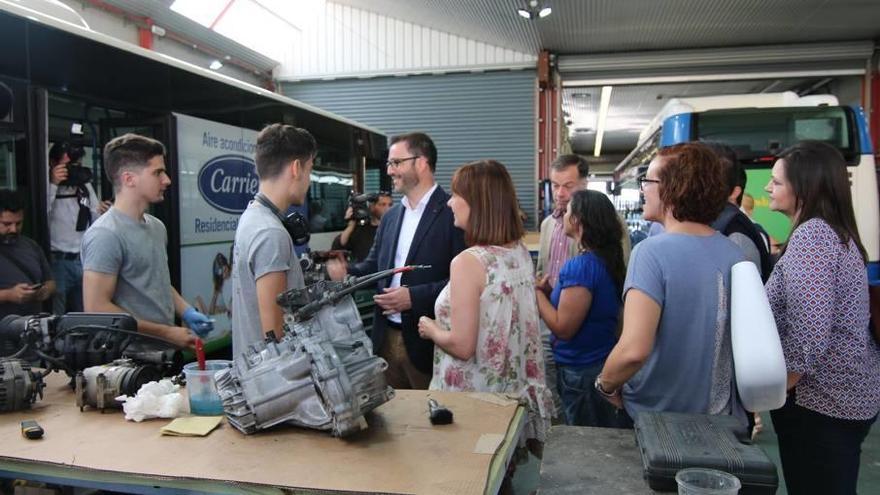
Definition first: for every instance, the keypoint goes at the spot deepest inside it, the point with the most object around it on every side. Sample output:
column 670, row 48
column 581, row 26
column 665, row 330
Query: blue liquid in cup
column 205, row 406
column 203, row 397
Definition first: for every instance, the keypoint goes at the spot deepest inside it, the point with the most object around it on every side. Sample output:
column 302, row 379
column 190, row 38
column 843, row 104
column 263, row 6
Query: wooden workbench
column 401, row 452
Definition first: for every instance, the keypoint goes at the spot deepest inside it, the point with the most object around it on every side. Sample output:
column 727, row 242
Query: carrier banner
column 206, row 284
column 216, row 178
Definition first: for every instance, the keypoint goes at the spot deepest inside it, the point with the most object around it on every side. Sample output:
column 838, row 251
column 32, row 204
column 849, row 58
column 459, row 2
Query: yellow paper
column 192, row 426
column 488, row 443
column 494, row 398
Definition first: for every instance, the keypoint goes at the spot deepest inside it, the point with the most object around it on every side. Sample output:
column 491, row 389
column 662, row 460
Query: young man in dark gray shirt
column 25, row 276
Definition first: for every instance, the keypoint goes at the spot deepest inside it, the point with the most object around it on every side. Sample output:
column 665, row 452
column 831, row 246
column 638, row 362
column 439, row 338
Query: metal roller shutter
column 469, row 117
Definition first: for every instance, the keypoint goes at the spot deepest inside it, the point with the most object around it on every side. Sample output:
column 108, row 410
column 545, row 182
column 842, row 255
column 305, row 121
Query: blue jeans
column 68, row 276
column 582, row 405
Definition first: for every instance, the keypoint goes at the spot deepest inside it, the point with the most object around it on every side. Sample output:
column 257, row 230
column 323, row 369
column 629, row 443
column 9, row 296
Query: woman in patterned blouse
column 486, row 335
column 819, row 295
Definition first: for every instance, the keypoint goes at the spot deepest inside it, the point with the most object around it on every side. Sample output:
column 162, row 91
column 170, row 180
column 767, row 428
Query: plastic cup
column 203, row 397
column 701, row 481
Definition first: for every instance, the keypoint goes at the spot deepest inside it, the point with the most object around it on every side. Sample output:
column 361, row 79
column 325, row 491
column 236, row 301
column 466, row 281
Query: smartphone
column 36, row 286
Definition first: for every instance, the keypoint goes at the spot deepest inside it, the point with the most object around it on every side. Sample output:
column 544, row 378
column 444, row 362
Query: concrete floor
column 527, row 476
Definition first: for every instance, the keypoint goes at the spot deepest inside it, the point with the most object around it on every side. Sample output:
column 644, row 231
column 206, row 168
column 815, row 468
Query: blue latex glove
column 199, row 323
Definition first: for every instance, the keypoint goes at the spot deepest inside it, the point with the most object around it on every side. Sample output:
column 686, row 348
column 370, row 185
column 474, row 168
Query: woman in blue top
column 584, row 308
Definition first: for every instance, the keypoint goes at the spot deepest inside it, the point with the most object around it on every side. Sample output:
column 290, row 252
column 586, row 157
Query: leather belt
column 65, row 256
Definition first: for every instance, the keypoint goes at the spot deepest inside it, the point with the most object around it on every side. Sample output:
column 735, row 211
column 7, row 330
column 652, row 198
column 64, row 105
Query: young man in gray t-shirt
column 264, row 262
column 125, row 264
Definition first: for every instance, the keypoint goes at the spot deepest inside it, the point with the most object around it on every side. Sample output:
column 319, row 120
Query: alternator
column 321, row 375
column 99, row 386
column 19, row 386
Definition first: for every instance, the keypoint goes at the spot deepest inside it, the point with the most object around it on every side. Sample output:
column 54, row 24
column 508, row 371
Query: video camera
column 360, row 206
column 77, row 175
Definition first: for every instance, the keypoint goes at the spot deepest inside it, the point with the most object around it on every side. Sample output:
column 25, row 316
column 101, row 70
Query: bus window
column 757, row 134
column 7, row 161
column 328, row 199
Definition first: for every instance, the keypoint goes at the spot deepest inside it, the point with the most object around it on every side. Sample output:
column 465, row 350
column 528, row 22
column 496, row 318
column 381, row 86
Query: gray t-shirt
column 117, row 244
column 262, row 246
column 690, row 368
column 747, row 248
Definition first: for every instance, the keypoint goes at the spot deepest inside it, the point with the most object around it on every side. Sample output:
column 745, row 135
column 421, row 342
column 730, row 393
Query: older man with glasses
column 418, row 231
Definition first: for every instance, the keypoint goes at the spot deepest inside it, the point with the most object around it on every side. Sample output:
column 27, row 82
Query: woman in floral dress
column 486, row 334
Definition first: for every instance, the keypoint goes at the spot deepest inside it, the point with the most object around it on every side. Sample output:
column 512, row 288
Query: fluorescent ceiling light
column 545, row 12
column 604, row 102
column 215, row 65
column 524, row 13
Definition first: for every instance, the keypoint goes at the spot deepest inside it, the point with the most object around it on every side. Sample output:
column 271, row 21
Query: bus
column 62, row 82
column 757, row 127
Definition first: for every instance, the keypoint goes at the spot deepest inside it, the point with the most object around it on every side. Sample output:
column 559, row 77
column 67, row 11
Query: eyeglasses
column 643, row 180
column 396, row 162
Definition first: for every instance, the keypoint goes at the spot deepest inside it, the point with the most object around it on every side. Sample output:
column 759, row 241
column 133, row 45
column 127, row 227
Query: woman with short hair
column 819, row 295
column 674, row 353
column 486, row 334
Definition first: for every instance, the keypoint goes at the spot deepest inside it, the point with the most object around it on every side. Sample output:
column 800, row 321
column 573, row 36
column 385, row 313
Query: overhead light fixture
column 604, row 102
column 534, row 11
column 215, row 65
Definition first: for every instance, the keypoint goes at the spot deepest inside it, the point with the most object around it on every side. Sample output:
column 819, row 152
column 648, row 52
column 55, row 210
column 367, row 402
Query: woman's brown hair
column 488, row 190
column 818, row 176
column 693, row 182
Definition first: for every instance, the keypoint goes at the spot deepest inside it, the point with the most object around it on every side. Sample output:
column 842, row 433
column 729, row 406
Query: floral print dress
column 509, row 357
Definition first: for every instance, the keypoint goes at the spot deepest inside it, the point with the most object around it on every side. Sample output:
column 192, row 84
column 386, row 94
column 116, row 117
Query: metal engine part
column 75, row 341
column 322, row 374
column 19, row 386
column 99, row 386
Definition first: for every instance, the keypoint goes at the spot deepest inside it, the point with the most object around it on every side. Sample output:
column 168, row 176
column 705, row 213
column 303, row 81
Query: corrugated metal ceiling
column 598, row 26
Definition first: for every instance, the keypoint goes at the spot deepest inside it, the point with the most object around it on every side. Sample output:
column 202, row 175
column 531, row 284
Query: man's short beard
column 8, row 239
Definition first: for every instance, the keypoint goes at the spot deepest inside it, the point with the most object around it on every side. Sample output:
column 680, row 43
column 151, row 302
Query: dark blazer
column 435, row 243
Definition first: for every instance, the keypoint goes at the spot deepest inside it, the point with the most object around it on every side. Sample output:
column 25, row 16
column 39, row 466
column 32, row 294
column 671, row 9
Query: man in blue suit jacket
column 418, row 231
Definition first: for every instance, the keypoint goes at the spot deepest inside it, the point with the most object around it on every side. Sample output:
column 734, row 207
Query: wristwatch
column 601, row 390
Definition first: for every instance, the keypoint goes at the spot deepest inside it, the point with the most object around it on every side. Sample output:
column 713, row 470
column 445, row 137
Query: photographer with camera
column 363, row 215
column 25, row 277
column 72, row 207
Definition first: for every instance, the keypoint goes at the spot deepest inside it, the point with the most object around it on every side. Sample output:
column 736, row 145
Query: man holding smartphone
column 25, row 276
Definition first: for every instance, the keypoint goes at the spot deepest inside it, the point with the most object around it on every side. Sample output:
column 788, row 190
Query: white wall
column 341, row 41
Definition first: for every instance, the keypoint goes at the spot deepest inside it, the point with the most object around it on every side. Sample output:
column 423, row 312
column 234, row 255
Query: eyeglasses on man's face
column 644, row 180
column 397, row 162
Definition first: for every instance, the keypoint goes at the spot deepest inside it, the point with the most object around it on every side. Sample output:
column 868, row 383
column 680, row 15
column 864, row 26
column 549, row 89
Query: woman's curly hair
column 692, row 182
